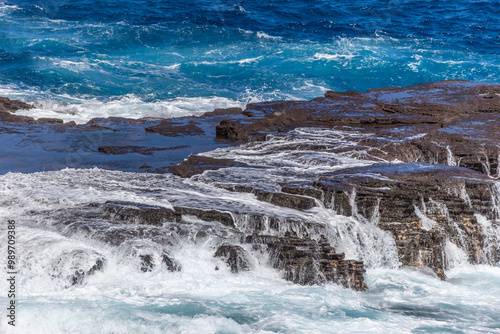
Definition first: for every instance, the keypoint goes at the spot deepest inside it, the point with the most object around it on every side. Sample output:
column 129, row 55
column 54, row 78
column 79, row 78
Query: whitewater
column 78, row 60
column 200, row 299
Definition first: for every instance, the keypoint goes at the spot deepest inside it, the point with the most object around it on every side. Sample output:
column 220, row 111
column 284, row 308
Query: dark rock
column 405, row 195
column 136, row 149
column 120, row 120
column 49, row 121
column 170, row 263
column 438, row 103
column 303, row 190
column 223, row 112
column 443, row 136
column 248, row 113
column 230, row 130
column 307, row 261
column 80, row 274
column 224, row 218
column 197, row 164
column 147, row 263
column 260, row 223
column 9, row 105
column 171, row 128
column 6, row 117
column 139, row 213
column 465, row 142
column 234, row 256
column 144, row 214
column 284, row 199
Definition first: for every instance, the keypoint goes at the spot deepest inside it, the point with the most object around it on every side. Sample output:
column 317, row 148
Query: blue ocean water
column 98, row 57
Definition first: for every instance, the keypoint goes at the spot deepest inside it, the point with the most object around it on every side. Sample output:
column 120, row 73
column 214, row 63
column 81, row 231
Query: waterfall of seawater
column 114, row 273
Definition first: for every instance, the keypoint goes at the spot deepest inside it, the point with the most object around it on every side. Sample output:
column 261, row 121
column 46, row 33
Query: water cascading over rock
column 324, row 188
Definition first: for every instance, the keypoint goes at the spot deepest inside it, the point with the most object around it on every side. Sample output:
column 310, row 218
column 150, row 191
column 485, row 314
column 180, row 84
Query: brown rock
column 197, row 164
column 234, row 256
column 307, row 262
column 136, row 149
column 9, row 105
column 171, row 128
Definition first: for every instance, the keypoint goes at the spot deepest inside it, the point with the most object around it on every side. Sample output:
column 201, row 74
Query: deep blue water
column 221, row 53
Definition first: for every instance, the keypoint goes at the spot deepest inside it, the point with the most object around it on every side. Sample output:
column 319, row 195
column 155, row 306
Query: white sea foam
column 261, row 34
column 327, row 56
column 84, row 108
column 402, row 301
column 455, row 256
column 427, row 223
column 81, row 110
column 75, row 66
column 308, row 85
column 358, row 237
column 6, row 9
column 121, row 298
column 95, row 65
column 239, row 61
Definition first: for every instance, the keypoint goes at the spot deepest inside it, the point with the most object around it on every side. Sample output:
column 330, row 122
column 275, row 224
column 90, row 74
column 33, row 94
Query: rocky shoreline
column 415, row 168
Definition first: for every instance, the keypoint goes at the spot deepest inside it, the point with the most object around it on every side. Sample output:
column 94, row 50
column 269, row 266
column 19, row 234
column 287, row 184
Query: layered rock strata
column 418, row 163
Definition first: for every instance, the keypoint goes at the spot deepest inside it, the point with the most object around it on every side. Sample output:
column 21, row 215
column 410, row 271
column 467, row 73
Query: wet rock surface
column 306, row 261
column 422, row 205
column 195, row 164
column 234, row 256
column 136, row 149
column 80, row 274
column 418, row 164
column 8, row 105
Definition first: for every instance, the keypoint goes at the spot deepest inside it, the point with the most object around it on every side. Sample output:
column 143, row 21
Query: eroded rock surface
column 234, row 256
column 319, row 186
column 306, row 261
column 136, row 149
column 422, row 205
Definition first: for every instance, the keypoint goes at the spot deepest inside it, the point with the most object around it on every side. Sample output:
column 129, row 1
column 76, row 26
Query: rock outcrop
column 234, row 256
column 418, row 163
column 422, row 205
column 80, row 274
column 306, row 261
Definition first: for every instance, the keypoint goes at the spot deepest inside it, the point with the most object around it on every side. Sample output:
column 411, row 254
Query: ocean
column 81, row 59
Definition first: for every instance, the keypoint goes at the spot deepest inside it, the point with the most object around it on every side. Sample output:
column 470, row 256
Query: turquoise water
column 399, row 301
